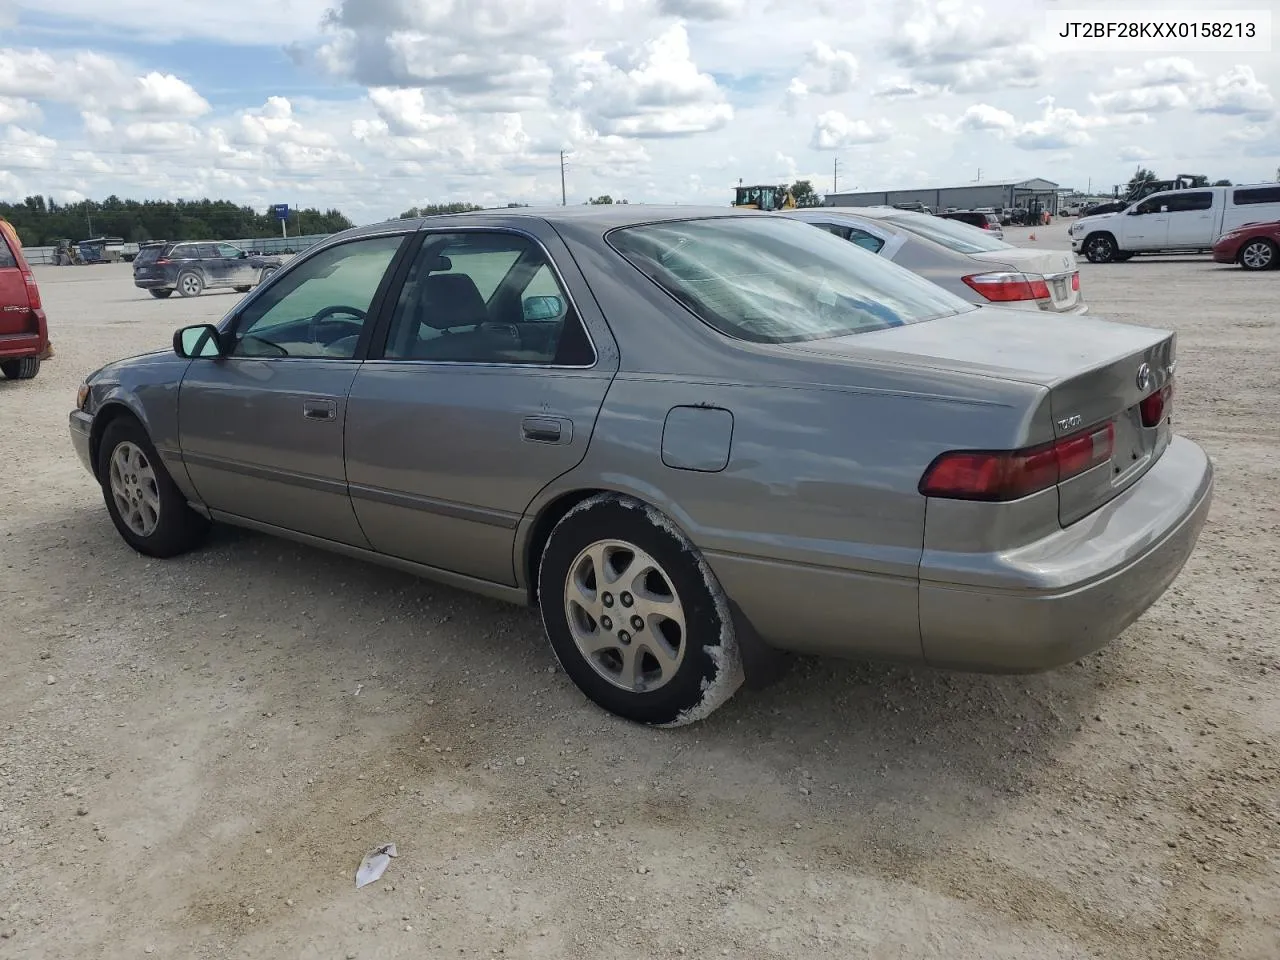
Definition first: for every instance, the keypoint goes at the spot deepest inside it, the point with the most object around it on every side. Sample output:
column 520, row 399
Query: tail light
column 1157, row 406
column 33, row 292
column 1002, row 475
column 1075, row 281
column 1009, row 287
column 162, row 260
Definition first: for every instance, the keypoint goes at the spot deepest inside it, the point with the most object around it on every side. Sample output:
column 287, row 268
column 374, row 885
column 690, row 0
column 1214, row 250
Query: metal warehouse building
column 997, row 195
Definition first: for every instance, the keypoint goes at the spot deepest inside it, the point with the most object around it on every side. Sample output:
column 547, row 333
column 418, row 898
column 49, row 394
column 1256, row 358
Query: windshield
column 147, row 254
column 775, row 280
column 953, row 234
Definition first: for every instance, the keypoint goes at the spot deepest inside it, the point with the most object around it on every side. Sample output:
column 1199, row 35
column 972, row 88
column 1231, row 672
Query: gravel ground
column 195, row 754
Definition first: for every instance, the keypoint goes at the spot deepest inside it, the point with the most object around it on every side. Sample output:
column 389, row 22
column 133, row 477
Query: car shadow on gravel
column 848, row 724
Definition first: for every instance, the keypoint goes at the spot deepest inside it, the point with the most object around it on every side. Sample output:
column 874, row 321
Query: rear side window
column 952, row 234
column 7, row 259
column 1185, row 201
column 1247, row 195
column 776, row 280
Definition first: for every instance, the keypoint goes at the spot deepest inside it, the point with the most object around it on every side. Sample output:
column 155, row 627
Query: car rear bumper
column 151, row 283
column 1075, row 591
column 14, row 346
column 81, row 425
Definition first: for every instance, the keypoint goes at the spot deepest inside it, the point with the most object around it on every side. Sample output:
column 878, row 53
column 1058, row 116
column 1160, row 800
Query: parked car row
column 695, row 439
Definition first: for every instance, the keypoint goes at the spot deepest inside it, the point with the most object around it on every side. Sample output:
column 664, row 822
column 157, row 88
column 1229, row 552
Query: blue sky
column 384, row 105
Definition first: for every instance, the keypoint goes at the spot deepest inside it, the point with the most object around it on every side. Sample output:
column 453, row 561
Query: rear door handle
column 546, row 429
column 320, row 409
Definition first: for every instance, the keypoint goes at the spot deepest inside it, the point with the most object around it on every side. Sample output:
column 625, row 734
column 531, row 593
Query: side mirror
column 198, row 342
column 243, row 254
column 543, row 308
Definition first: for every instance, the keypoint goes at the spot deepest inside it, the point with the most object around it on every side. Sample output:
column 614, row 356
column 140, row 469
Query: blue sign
column 280, row 211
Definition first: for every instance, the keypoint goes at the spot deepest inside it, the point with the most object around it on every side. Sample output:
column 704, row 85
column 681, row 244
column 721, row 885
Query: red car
column 24, row 333
column 1255, row 246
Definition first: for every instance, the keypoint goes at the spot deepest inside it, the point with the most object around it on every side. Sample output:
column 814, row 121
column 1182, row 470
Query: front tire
column 24, row 368
column 190, row 284
column 148, row 510
column 266, row 274
column 1101, row 248
column 635, row 616
column 1259, row 254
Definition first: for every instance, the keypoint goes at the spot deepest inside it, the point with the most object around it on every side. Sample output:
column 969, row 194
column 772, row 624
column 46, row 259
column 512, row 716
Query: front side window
column 952, row 234
column 319, row 308
column 227, row 250
column 485, row 298
column 775, row 280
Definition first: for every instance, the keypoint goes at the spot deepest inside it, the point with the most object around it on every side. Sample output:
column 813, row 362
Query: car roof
column 595, row 217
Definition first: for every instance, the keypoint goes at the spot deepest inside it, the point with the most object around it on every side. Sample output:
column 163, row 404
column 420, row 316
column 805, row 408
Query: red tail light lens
column 162, row 260
column 1002, row 475
column 33, row 292
column 1157, row 406
column 1075, row 281
column 1009, row 287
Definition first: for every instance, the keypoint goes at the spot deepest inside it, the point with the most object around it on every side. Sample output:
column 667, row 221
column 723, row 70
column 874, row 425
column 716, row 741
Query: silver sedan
column 971, row 263
column 694, row 438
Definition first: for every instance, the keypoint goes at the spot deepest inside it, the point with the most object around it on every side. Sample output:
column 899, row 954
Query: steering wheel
column 313, row 328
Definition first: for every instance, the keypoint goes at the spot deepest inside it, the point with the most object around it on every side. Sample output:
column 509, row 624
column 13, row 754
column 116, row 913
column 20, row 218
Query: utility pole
column 564, row 201
column 979, row 180
column 835, row 175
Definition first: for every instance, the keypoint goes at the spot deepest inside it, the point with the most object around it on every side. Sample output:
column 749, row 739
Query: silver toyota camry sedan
column 693, row 438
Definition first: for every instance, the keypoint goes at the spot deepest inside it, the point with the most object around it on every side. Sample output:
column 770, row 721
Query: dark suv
column 196, row 266
column 977, row 218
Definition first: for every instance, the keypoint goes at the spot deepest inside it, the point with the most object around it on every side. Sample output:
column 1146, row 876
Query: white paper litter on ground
column 374, row 864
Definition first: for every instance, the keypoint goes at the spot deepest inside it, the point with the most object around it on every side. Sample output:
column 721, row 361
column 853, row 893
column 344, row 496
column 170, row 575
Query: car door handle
column 546, row 429
column 320, row 409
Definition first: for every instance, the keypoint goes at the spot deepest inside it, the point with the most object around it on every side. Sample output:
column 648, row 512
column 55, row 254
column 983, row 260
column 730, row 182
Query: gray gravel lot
column 195, row 754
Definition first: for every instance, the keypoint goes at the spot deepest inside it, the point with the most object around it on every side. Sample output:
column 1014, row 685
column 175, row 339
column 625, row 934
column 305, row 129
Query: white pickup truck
column 1174, row 221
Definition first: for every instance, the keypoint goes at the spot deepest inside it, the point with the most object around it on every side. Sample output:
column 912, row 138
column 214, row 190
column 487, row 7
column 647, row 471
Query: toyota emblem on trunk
column 1144, row 377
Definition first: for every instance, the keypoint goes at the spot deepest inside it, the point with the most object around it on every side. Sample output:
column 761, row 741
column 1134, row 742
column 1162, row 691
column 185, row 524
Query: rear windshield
column 148, row 254
column 953, row 234
column 7, row 259
column 776, row 280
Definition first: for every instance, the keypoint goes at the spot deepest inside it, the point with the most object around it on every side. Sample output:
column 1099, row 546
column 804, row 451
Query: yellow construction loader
column 768, row 197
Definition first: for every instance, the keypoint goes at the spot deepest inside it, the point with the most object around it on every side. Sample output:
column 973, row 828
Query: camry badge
column 1070, row 423
column 1144, row 377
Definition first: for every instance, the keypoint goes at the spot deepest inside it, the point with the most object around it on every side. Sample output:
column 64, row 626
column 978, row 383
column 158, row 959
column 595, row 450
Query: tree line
column 42, row 221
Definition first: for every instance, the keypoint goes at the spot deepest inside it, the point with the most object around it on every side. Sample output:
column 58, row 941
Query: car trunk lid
column 1097, row 375
column 17, row 293
column 1059, row 269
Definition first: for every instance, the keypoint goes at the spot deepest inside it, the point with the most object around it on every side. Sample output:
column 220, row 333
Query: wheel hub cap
column 643, row 648
column 134, row 489
column 1257, row 255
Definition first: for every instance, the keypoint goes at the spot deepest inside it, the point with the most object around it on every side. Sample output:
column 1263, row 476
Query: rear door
column 1192, row 218
column 216, row 267
column 486, row 390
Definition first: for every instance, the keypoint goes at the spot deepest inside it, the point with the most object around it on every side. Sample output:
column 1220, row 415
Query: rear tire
column 635, row 616
column 190, row 284
column 1100, row 248
column 266, row 274
column 1260, row 254
column 162, row 294
column 148, row 510
column 23, row 368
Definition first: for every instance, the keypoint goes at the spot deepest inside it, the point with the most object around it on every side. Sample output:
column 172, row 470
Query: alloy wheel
column 134, row 488
column 625, row 616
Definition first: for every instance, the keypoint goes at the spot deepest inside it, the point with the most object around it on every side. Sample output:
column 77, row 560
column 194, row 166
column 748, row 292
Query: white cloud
column 959, row 46
column 163, row 94
column 26, row 149
column 834, row 131
column 827, row 72
column 653, row 90
column 1134, row 154
column 17, row 109
column 1236, row 92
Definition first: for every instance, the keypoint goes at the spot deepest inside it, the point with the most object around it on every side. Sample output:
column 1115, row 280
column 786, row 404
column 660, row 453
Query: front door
column 236, row 261
column 1191, row 219
column 261, row 429
column 487, row 389
column 1146, row 227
